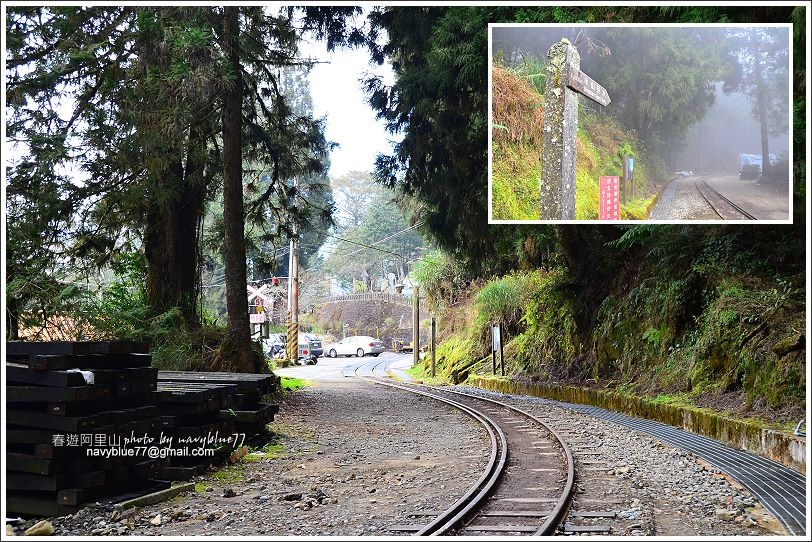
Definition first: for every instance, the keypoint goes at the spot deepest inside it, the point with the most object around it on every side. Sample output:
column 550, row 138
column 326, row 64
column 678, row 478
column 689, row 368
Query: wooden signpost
column 583, row 84
column 565, row 81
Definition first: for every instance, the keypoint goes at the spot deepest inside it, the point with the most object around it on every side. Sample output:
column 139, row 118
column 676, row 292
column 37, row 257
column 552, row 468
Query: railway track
column 551, row 481
column 588, row 503
column 527, row 485
column 722, row 206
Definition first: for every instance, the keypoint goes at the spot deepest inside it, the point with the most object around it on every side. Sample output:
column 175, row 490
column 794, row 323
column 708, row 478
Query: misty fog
column 727, row 130
column 720, row 122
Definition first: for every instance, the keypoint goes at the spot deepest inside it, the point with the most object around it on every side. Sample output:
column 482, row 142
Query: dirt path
column 351, row 458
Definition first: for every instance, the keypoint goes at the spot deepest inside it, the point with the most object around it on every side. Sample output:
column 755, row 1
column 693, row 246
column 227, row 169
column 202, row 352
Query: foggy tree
column 354, row 191
column 661, row 80
column 760, row 57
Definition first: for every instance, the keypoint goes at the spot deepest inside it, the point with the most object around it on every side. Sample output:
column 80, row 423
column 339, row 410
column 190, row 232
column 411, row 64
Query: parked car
column 356, row 345
column 408, row 347
column 750, row 165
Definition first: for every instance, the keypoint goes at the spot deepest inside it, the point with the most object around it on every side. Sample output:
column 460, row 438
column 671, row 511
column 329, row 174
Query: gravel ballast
column 355, row 459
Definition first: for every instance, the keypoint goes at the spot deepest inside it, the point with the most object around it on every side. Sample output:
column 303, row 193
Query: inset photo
column 629, row 123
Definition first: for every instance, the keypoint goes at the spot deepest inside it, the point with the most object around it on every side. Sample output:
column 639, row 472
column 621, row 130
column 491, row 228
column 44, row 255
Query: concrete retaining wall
column 784, row 448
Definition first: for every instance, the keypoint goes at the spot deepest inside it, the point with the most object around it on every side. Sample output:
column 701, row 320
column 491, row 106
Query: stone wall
column 375, row 318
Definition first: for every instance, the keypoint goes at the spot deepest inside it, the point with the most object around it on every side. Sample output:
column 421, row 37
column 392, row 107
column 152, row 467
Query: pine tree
column 141, row 92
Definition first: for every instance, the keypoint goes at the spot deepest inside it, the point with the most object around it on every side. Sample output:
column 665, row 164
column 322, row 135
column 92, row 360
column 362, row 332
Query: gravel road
column 680, row 200
column 352, row 459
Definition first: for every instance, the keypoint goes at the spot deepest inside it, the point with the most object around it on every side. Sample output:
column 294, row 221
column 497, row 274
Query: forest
column 669, row 87
column 176, row 153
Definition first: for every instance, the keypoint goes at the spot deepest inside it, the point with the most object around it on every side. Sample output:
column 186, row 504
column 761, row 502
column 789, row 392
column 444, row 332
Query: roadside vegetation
column 518, row 117
column 291, row 384
column 719, row 325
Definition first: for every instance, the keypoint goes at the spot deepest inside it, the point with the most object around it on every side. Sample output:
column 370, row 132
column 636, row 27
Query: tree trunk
column 239, row 338
column 174, row 214
column 12, row 319
column 171, row 246
column 761, row 101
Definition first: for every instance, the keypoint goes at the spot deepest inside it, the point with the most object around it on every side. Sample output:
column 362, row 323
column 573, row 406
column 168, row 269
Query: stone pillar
column 559, row 135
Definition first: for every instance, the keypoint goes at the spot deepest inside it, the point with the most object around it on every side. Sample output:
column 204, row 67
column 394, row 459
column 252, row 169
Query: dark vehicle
column 310, row 348
column 274, row 345
column 750, row 166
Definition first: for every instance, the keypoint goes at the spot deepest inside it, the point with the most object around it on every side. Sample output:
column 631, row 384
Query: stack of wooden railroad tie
column 68, row 402
column 221, row 409
column 69, row 405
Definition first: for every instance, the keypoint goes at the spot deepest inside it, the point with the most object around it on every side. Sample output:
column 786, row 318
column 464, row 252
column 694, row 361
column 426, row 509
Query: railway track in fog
column 722, row 206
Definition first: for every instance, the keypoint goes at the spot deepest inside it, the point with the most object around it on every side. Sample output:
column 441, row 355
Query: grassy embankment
column 733, row 344
column 601, row 145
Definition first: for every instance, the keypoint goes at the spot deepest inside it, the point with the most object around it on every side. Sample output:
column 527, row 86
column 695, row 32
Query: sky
column 336, row 89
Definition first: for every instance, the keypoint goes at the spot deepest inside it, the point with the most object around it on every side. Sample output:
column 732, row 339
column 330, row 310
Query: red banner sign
column 610, row 198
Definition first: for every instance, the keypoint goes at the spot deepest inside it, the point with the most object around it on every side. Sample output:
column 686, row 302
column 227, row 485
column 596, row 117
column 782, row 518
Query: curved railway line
column 529, row 485
column 722, row 206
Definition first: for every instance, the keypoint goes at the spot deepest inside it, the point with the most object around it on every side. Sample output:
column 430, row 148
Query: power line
column 418, row 224
column 365, row 245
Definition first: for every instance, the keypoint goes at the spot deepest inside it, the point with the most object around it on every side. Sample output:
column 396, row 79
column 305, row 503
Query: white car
column 357, row 345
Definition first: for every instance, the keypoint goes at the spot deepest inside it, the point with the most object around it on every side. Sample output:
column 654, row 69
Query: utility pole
column 292, row 343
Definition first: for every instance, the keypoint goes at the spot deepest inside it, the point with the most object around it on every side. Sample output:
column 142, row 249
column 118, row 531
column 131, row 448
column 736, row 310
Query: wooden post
column 416, row 327
column 433, row 358
column 565, row 81
column 625, row 185
column 292, row 345
column 630, row 167
column 501, row 351
column 558, row 136
column 496, row 344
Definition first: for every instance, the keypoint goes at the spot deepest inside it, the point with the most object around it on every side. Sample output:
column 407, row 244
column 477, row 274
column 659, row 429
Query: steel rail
column 479, row 490
column 781, row 490
column 556, row 519
column 714, row 205
column 739, row 465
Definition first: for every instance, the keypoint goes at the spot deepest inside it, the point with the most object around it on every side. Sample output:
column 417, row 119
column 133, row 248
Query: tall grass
column 516, row 169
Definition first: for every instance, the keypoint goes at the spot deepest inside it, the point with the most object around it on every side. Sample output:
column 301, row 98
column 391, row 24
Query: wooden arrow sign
column 583, row 84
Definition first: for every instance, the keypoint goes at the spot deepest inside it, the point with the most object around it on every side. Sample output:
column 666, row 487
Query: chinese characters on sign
column 609, row 198
column 582, row 83
column 260, row 318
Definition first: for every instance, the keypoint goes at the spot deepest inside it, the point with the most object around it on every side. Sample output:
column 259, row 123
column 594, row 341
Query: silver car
column 356, row 345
